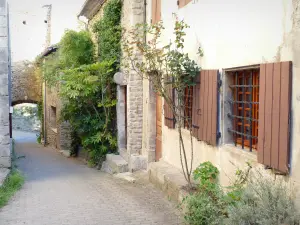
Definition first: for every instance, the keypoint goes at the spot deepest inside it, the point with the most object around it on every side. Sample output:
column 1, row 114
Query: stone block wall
column 132, row 14
column 57, row 136
column 26, row 84
column 5, row 146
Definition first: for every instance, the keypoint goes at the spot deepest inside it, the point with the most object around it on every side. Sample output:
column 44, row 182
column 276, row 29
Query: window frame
column 249, row 142
column 53, row 117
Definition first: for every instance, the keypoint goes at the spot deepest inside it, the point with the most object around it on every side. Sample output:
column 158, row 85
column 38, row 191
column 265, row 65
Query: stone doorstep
column 66, row 153
column 3, row 175
column 169, row 179
column 114, row 164
column 127, row 176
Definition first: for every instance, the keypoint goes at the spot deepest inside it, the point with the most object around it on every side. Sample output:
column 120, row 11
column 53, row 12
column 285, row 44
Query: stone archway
column 26, row 84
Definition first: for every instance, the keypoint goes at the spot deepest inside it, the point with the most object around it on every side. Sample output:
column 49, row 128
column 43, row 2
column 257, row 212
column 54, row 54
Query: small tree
column 165, row 67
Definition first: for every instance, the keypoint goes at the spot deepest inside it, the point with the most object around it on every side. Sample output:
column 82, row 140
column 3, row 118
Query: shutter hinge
column 177, row 2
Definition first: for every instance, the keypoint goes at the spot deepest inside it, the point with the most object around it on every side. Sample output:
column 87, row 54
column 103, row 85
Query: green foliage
column 87, row 88
column 89, row 106
column 202, row 209
column 207, row 205
column 51, row 69
column 206, row 172
column 264, row 202
column 108, row 30
column 250, row 200
column 75, row 143
column 75, row 49
column 12, row 184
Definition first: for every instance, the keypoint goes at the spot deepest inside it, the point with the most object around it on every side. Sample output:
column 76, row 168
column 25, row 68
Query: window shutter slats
column 182, row 3
column 214, row 113
column 168, row 113
column 153, row 11
column 208, row 103
column 201, row 104
column 285, row 105
column 196, row 107
column 158, row 10
column 274, row 110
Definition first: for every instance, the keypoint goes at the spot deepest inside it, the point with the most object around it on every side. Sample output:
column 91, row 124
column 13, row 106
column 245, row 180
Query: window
column 188, row 106
column 182, row 3
column 52, row 117
column 245, row 107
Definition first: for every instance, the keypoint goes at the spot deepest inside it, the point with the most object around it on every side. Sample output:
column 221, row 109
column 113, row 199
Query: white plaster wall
column 236, row 33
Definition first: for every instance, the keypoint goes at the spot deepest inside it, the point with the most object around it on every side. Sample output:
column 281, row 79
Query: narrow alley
column 61, row 191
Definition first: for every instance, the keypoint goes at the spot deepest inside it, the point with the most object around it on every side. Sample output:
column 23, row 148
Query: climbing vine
column 108, row 32
column 86, row 86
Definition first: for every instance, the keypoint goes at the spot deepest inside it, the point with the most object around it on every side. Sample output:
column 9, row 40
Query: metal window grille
column 245, row 106
column 188, row 106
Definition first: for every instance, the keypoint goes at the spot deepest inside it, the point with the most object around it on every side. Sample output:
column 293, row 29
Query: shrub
column 204, row 209
column 264, row 202
column 207, row 206
column 75, row 49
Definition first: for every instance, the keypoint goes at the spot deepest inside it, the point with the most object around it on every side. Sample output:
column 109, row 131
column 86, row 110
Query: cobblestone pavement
column 61, row 191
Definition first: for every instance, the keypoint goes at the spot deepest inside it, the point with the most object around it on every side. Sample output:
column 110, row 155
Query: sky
column 28, row 41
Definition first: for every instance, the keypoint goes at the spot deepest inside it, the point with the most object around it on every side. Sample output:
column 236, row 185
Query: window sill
column 238, row 151
column 54, row 130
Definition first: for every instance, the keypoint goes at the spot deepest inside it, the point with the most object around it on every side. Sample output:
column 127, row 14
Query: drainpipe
column 9, row 75
column 45, row 112
column 145, row 19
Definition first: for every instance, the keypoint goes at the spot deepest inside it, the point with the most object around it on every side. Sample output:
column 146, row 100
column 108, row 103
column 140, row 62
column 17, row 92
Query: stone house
column 246, row 103
column 56, row 132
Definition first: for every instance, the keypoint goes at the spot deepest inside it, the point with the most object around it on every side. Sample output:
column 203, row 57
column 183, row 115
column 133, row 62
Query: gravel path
column 61, row 191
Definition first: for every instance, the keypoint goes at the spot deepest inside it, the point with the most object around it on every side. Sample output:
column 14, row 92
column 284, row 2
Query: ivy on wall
column 86, row 84
column 108, row 30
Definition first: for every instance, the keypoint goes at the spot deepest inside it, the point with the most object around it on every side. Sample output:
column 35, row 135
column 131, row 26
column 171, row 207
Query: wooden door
column 158, row 151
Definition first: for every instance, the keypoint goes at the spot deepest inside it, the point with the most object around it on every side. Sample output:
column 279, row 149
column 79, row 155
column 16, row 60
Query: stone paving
column 61, row 191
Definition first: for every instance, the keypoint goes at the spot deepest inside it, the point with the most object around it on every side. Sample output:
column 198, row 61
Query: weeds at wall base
column 11, row 185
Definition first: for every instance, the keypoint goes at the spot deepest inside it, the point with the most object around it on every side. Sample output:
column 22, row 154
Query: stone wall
column 57, row 131
column 26, row 84
column 132, row 14
column 5, row 150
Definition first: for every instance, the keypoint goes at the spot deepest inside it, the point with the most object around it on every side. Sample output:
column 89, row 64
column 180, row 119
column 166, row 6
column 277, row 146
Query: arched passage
column 26, row 83
column 25, row 117
column 17, row 102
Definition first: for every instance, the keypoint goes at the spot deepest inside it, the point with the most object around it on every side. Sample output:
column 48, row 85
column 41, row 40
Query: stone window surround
column 226, row 141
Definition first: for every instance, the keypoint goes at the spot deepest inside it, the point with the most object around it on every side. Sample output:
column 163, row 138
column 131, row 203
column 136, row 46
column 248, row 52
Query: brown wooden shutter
column 196, row 108
column 156, row 11
column 208, row 106
column 274, row 112
column 168, row 113
column 153, row 9
column 182, row 3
